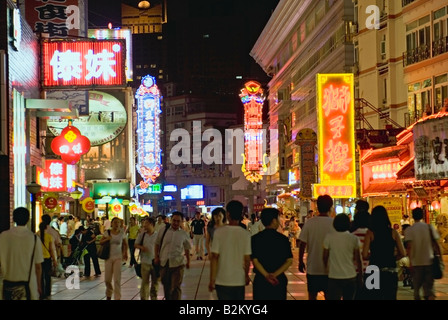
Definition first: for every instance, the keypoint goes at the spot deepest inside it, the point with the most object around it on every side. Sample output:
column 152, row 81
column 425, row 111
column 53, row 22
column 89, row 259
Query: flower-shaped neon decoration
column 70, row 144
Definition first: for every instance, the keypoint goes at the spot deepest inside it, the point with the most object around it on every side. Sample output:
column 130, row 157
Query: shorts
column 317, row 283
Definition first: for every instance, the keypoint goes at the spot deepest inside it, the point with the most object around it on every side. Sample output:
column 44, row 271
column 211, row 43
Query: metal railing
column 439, row 46
column 406, row 2
column 418, row 54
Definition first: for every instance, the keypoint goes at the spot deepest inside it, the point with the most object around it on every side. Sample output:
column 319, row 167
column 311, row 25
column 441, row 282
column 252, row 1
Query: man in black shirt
column 88, row 240
column 271, row 256
column 198, row 231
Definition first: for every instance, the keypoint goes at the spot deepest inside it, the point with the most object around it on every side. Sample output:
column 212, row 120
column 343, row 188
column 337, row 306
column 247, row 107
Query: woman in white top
column 118, row 252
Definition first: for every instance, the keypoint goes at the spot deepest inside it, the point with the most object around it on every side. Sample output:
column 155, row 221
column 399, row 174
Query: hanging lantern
column 435, row 205
column 413, row 205
column 70, row 144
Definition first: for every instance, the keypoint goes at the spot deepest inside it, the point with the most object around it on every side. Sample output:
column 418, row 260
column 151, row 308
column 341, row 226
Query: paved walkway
column 195, row 285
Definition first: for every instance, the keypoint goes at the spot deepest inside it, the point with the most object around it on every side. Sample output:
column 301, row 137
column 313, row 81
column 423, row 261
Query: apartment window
column 213, row 194
column 441, row 91
column 153, row 66
column 383, row 47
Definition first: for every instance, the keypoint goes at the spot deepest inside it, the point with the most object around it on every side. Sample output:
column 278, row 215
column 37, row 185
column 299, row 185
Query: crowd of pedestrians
column 338, row 255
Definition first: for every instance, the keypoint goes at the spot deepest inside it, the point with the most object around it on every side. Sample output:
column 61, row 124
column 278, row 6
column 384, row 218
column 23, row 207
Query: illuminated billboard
column 149, row 152
column 84, row 63
column 194, row 191
column 336, row 132
column 252, row 99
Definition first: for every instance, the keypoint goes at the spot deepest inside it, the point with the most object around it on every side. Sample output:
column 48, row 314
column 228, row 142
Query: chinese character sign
column 84, row 63
column 70, row 145
column 431, row 148
column 56, row 179
column 335, row 101
column 252, row 98
column 148, row 130
column 57, row 18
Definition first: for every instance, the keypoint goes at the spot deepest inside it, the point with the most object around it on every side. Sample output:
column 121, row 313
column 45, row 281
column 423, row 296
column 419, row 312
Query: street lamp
column 125, row 203
column 76, row 195
column 33, row 188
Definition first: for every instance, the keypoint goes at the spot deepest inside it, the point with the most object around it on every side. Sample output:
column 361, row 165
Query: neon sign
column 84, row 63
column 148, row 130
column 336, row 136
column 252, row 98
column 57, row 177
column 70, row 144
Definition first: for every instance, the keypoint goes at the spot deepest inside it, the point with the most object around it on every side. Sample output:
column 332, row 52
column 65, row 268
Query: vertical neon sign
column 336, row 121
column 149, row 163
column 252, row 98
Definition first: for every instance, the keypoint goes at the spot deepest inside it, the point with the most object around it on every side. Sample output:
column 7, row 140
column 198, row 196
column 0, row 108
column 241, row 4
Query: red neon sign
column 70, row 145
column 84, row 63
column 57, row 176
column 336, row 136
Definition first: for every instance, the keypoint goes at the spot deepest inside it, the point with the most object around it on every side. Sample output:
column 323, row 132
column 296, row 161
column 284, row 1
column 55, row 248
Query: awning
column 407, row 171
column 384, row 154
column 383, row 188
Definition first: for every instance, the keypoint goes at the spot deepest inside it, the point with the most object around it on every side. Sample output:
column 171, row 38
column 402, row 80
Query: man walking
column 418, row 239
column 312, row 236
column 271, row 256
column 230, row 256
column 21, row 258
column 171, row 249
column 198, row 231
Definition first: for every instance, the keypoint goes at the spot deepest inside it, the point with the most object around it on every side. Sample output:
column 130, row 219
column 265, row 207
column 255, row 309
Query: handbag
column 138, row 265
column 104, row 249
column 19, row 290
column 437, row 262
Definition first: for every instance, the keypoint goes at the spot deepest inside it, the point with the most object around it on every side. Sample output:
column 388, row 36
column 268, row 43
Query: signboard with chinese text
column 149, row 152
column 253, row 99
column 394, row 207
column 336, row 125
column 431, row 148
column 70, row 144
column 57, row 176
column 307, row 140
column 84, row 63
column 57, row 18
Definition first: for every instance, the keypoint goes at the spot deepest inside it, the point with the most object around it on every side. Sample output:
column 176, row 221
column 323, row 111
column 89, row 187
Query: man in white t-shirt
column 17, row 247
column 418, row 239
column 230, row 256
column 312, row 238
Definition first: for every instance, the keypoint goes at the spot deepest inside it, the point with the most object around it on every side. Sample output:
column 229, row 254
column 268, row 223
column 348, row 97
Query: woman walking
column 381, row 241
column 118, row 252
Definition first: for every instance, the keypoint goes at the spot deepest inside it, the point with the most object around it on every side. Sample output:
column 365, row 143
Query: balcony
column 416, row 55
column 440, row 46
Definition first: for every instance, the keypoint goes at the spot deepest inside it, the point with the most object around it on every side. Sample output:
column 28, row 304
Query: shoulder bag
column 104, row 250
column 157, row 265
column 437, row 262
column 19, row 290
column 138, row 265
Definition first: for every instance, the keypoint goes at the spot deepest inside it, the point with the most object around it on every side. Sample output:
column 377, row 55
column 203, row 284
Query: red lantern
column 413, row 205
column 70, row 145
column 435, row 205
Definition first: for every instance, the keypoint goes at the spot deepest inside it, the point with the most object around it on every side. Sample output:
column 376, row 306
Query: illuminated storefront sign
column 57, row 175
column 70, row 144
column 336, row 136
column 111, row 189
column 106, row 120
column 84, row 63
column 252, row 98
column 149, row 163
